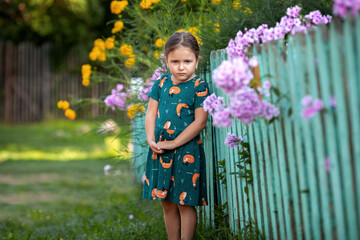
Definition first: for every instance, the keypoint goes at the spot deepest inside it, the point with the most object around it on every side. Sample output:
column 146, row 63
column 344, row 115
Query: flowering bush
column 234, row 76
column 342, row 8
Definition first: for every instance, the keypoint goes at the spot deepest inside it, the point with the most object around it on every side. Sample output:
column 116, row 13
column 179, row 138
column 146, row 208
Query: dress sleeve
column 155, row 90
column 201, row 92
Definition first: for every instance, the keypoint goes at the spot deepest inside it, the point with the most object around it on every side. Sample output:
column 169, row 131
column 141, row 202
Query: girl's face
column 182, row 63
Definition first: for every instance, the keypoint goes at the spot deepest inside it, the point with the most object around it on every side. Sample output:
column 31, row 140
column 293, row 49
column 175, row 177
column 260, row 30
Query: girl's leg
column 172, row 219
column 188, row 221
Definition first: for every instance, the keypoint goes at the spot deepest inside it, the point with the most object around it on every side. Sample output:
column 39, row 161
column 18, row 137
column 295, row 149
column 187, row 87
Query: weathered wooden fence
column 305, row 173
column 30, row 87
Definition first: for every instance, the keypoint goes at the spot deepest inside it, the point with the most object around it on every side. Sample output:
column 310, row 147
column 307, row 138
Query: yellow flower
column 159, row 42
column 126, row 50
column 131, row 112
column 193, row 30
column 65, row 105
column 59, row 104
column 155, row 1
column 181, row 30
column 146, row 4
column 102, row 57
column 248, row 11
column 130, row 62
column 117, row 7
column 109, row 43
column 216, row 27
column 156, row 54
column 236, row 4
column 183, row 0
column 118, row 26
column 85, row 82
column 86, row 70
column 139, row 107
column 70, row 114
column 215, row 1
column 94, row 54
column 100, row 44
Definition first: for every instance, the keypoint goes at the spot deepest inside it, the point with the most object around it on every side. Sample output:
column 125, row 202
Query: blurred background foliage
column 69, row 25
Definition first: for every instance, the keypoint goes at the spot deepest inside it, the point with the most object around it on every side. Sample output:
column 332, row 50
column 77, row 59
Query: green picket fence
column 288, row 190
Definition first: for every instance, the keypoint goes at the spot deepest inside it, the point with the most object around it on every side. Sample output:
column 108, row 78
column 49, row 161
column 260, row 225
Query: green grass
column 60, row 140
column 48, row 195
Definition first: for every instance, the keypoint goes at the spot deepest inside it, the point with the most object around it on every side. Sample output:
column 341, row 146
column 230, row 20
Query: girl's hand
column 168, row 145
column 155, row 148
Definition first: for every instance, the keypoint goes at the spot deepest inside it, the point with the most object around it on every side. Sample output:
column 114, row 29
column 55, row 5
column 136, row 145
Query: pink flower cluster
column 343, row 7
column 232, row 75
column 117, row 98
column 143, row 94
column 232, row 140
column 292, row 23
column 310, row 106
column 218, row 110
column 245, row 105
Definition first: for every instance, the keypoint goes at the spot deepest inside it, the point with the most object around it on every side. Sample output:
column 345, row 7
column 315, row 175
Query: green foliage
column 66, row 24
column 221, row 174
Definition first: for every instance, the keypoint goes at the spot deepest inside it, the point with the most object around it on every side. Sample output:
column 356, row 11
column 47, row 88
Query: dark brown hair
column 184, row 39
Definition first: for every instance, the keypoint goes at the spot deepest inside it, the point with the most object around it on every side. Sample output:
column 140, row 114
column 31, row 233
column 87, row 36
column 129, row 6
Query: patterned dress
column 177, row 175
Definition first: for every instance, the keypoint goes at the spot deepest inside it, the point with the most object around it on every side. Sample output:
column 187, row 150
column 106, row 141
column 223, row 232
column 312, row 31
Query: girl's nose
column 181, row 66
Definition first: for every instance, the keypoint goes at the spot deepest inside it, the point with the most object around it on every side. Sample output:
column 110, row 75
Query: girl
column 175, row 168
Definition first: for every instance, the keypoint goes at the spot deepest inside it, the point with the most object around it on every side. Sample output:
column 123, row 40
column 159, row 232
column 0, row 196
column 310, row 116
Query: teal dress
column 177, row 175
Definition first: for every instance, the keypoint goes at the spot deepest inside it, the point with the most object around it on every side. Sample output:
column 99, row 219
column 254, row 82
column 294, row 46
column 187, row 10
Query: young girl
column 175, row 168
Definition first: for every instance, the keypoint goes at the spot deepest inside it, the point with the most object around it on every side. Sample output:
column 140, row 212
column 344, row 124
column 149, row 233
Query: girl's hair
column 184, row 39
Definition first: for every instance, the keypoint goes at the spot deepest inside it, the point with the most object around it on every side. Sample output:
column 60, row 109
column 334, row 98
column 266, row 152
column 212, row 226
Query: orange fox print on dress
column 154, row 156
column 198, row 81
column 188, row 159
column 165, row 165
column 202, row 94
column 167, row 125
column 161, row 194
column 162, row 82
column 203, row 201
column 153, row 193
column 170, row 131
column 194, row 178
column 182, row 198
column 179, row 107
column 174, row 90
column 147, row 180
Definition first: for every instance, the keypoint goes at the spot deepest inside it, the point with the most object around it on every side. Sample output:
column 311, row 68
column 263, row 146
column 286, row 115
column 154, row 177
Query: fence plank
column 342, row 121
column 353, row 106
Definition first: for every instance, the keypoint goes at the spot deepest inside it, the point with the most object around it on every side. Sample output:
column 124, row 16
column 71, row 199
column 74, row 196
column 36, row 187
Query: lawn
column 53, row 186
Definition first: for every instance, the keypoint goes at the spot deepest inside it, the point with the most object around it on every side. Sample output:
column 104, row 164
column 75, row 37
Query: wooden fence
column 305, row 173
column 30, row 87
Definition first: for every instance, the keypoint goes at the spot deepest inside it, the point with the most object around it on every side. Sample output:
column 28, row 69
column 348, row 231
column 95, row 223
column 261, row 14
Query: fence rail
column 305, row 173
column 30, row 87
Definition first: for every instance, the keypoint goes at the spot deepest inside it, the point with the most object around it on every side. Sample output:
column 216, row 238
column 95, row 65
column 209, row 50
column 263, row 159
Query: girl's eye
column 188, row 61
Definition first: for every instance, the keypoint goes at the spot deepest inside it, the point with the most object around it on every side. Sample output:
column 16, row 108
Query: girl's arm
column 189, row 133
column 150, row 121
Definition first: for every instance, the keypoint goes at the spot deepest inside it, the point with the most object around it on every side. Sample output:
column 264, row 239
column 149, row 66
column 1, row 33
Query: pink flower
column 213, row 104
column 131, row 217
column 232, row 75
column 232, row 140
column 311, row 107
column 253, row 62
column 307, row 100
column 222, row 118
